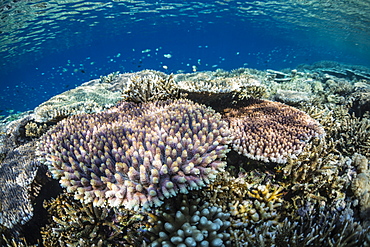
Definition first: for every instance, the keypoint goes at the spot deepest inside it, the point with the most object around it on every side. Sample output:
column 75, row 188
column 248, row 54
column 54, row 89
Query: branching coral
column 319, row 173
column 149, row 85
column 353, row 135
column 322, row 226
column 137, row 155
column 76, row 224
column 192, row 224
column 251, row 205
column 270, row 131
column 361, row 185
column 35, row 130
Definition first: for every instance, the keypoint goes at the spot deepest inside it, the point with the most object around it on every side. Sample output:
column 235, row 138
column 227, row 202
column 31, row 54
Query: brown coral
column 76, row 224
column 270, row 131
column 149, row 85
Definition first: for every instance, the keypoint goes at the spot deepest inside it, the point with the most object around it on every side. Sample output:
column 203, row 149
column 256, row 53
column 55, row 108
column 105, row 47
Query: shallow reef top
column 222, row 158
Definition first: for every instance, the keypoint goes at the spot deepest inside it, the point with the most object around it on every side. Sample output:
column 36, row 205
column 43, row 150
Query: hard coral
column 83, row 99
column 192, row 224
column 270, row 131
column 137, row 155
column 17, row 173
column 76, row 224
column 148, row 85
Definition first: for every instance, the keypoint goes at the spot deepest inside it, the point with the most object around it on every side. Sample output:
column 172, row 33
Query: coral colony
column 137, row 155
column 240, row 158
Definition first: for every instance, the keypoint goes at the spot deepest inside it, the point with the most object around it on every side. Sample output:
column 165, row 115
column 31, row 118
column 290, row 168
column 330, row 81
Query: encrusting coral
column 270, row 131
column 137, row 155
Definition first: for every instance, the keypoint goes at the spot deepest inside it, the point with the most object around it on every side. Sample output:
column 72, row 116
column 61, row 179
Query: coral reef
column 192, row 224
column 83, row 99
column 17, row 172
column 316, row 226
column 361, row 185
column 35, row 130
column 304, row 179
column 220, row 88
column 109, row 78
column 215, row 83
column 352, row 134
column 137, row 155
column 292, row 97
column 338, row 70
column 251, row 202
column 149, row 85
column 270, row 131
column 76, row 224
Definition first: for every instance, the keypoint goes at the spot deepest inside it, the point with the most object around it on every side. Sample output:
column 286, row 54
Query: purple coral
column 270, row 131
column 137, row 154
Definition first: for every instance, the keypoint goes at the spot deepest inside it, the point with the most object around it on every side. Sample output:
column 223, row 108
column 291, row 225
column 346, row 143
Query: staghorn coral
column 320, row 173
column 191, row 223
column 315, row 226
column 83, row 99
column 252, row 203
column 258, row 209
column 323, row 225
column 270, row 131
column 149, row 85
column 17, row 172
column 137, row 155
column 352, row 134
column 76, row 224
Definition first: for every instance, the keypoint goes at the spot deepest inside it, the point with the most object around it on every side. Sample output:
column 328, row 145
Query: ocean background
column 48, row 47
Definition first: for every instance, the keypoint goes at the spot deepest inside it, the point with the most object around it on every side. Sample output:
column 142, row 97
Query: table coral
column 137, row 155
column 83, row 99
column 270, row 131
column 17, row 173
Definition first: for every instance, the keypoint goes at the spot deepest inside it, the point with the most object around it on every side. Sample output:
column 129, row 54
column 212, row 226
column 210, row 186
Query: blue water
column 54, row 46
